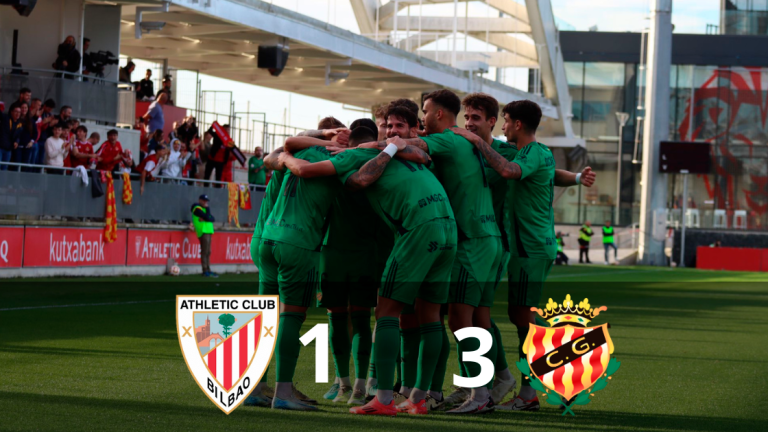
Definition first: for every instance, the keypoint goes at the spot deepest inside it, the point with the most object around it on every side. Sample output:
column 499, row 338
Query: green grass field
column 693, row 347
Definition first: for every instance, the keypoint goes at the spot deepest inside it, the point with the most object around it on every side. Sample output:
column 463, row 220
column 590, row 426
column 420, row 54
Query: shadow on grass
column 172, row 416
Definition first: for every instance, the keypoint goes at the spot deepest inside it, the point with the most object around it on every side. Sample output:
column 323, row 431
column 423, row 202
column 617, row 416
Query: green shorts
column 289, row 271
column 474, row 275
column 420, row 263
column 347, row 278
column 526, row 280
column 502, row 268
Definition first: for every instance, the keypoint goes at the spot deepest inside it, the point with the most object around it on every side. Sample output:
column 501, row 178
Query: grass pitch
column 103, row 354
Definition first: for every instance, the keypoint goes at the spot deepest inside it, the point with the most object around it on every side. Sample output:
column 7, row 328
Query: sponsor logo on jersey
column 429, row 199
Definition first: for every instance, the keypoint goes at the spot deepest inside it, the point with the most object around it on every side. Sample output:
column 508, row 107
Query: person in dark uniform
column 585, row 233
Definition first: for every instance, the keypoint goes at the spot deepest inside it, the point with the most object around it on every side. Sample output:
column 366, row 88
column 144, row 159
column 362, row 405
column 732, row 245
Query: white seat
column 740, row 219
column 720, row 220
column 692, row 219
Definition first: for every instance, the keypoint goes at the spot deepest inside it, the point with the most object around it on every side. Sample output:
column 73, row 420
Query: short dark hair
column 446, row 99
column 112, row 132
column 528, row 112
column 330, row 122
column 57, row 126
column 24, row 90
column 483, row 102
column 364, row 122
column 403, row 113
column 407, row 103
column 86, row 40
column 64, row 107
column 36, row 100
column 362, row 134
column 82, row 128
column 149, row 70
column 50, row 103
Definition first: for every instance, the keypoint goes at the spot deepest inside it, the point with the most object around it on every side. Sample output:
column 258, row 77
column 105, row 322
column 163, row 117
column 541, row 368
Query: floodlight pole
column 622, row 117
column 653, row 198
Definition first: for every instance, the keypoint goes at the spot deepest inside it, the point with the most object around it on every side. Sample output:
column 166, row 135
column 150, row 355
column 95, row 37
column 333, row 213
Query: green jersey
column 405, row 196
column 530, row 218
column 260, row 177
column 461, row 169
column 499, row 186
column 299, row 217
column 268, row 202
column 350, row 224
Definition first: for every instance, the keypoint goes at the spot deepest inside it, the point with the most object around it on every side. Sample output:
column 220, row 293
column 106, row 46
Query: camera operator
column 146, row 88
column 125, row 72
column 67, row 58
column 88, row 67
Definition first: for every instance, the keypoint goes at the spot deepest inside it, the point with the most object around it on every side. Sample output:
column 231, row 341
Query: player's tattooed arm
column 505, row 168
column 339, row 135
column 306, row 169
column 414, row 154
column 368, row 173
column 271, row 160
column 565, row 178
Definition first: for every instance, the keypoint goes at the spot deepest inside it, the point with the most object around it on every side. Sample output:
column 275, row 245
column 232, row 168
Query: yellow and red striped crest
column 568, row 359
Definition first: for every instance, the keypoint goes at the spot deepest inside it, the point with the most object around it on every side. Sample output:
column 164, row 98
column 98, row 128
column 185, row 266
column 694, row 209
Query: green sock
column 264, row 377
column 501, row 357
column 385, row 350
column 491, row 355
column 462, row 368
column 398, row 369
column 410, row 340
column 430, row 342
column 540, row 321
column 361, row 341
column 522, row 333
column 339, row 338
column 442, row 362
column 372, row 365
column 288, row 345
column 470, row 344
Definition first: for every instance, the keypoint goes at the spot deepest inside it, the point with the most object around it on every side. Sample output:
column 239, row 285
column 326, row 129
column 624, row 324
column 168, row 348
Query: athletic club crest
column 227, row 343
column 568, row 361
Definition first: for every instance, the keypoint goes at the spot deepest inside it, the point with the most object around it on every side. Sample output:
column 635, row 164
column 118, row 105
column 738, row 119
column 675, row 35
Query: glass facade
column 744, row 17
column 725, row 108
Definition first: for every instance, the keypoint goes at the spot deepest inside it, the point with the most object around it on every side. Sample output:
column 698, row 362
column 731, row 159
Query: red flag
column 229, row 142
column 110, row 227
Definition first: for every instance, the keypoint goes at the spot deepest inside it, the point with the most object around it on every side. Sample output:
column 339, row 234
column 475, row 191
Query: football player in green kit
column 480, row 116
column 414, row 204
column 529, row 219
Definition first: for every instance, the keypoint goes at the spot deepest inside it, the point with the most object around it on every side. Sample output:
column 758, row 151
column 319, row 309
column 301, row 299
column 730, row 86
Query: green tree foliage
column 226, row 321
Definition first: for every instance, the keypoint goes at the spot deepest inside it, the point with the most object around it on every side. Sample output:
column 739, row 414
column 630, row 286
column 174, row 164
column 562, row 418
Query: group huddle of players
column 418, row 220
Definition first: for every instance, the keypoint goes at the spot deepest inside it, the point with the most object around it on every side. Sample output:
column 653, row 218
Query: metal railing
column 91, row 98
column 34, row 194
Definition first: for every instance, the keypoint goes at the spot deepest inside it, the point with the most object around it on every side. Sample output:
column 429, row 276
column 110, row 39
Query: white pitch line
column 83, row 305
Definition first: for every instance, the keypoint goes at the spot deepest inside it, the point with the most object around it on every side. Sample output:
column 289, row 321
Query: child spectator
column 82, row 152
column 110, row 153
column 56, row 149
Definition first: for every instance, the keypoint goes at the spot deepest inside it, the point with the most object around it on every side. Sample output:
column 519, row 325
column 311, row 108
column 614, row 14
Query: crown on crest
column 562, row 314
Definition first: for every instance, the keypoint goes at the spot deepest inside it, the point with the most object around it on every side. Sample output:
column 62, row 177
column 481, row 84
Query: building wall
column 102, row 27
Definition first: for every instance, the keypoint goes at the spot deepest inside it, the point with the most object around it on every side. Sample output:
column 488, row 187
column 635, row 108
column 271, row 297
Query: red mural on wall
column 730, row 111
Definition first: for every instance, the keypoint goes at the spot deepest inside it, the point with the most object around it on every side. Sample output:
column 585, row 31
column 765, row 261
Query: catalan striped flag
column 229, row 360
column 110, row 218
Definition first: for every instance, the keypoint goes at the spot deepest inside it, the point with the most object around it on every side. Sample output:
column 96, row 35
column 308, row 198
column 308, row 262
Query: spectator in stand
column 126, row 163
column 141, row 126
column 154, row 115
column 12, row 129
column 257, row 173
column 65, row 114
column 67, row 58
column 25, row 96
column 155, row 141
column 126, row 71
column 151, row 166
column 43, row 125
column 88, row 66
column 166, row 89
column 177, row 159
column 28, row 137
column 110, row 153
column 218, row 155
column 56, row 149
column 146, row 87
column 187, row 130
column 82, row 152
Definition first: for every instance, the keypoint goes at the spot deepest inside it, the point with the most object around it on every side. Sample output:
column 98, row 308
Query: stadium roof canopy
column 222, row 38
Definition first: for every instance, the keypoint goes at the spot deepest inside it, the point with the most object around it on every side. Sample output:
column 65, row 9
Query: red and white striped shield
column 568, row 359
column 227, row 343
